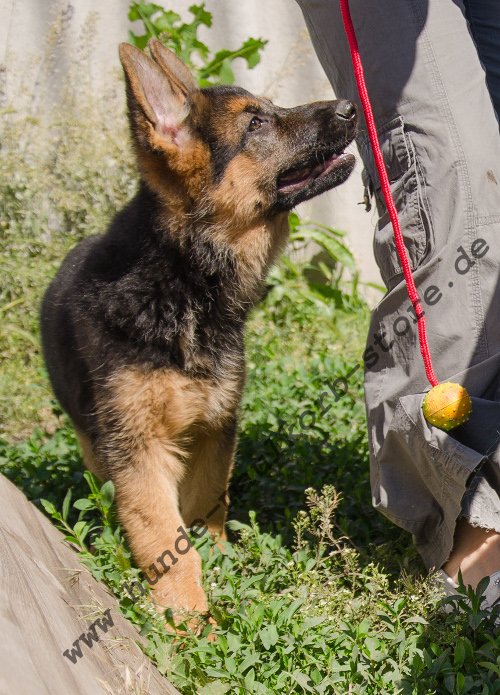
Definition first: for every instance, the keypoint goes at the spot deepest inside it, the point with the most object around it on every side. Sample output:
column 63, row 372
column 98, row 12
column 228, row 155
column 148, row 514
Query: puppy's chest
column 166, row 403
column 170, row 313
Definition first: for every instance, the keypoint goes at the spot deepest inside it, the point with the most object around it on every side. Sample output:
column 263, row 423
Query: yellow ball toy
column 447, row 406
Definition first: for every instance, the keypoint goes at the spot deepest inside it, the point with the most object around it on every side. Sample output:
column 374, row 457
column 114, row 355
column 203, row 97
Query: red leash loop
column 386, row 191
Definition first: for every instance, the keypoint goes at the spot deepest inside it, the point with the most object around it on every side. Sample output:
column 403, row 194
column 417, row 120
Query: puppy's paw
column 182, row 597
column 188, row 625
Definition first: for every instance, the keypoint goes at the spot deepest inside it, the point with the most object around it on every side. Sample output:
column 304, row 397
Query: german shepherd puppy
column 143, row 326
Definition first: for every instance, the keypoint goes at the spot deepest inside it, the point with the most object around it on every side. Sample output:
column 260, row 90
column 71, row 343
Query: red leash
column 386, row 191
column 446, row 405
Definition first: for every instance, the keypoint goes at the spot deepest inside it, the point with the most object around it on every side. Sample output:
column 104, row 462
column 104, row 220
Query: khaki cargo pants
column 434, row 79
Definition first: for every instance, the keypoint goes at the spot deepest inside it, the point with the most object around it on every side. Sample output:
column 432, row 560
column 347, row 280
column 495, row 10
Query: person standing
column 432, row 69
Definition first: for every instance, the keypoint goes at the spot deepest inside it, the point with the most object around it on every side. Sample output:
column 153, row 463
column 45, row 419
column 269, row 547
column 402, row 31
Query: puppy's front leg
column 204, row 489
column 147, row 501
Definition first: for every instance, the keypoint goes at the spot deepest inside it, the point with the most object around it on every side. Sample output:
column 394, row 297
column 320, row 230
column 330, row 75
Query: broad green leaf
column 49, row 507
column 215, row 688
column 83, row 504
column 248, row 661
column 269, row 636
column 303, row 681
column 108, row 492
column 226, row 73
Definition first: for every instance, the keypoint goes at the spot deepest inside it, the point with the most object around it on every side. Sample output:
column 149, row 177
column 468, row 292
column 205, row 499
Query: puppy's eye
column 255, row 123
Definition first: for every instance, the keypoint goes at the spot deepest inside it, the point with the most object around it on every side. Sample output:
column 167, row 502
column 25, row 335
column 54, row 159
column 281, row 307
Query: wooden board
column 47, row 600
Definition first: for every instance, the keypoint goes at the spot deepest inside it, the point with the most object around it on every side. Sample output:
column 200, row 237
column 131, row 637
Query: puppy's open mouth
column 297, row 178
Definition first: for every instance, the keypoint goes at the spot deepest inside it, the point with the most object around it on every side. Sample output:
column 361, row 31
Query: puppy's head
column 238, row 156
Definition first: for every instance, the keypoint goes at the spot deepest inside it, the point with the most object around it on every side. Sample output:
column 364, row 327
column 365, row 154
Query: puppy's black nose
column 345, row 110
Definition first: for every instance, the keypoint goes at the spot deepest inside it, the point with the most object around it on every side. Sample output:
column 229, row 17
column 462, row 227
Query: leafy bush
column 182, row 38
column 319, row 270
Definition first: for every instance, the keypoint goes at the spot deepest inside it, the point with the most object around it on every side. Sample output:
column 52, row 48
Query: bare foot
column 476, row 552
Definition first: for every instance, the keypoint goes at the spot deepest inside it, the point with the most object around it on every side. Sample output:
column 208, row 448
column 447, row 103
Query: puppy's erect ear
column 155, row 93
column 172, row 66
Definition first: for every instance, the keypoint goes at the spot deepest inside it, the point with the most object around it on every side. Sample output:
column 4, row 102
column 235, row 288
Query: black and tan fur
column 143, row 326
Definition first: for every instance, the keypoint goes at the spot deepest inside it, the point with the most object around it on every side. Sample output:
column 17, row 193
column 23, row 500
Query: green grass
column 317, row 593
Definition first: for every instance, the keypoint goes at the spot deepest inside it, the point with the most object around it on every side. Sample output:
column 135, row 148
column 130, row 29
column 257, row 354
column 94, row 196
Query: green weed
column 316, row 593
column 182, row 38
column 314, row 619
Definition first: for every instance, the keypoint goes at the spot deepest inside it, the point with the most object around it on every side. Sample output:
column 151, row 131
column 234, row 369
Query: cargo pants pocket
column 421, row 470
column 409, row 192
